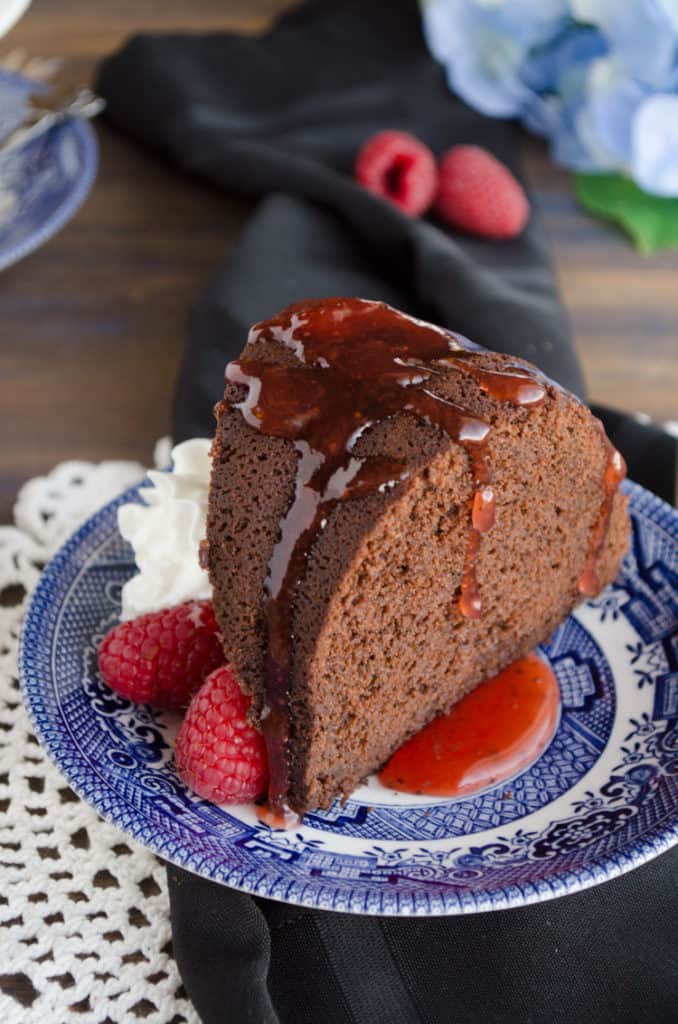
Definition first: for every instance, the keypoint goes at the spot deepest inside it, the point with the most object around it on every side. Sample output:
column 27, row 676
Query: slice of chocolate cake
column 395, row 514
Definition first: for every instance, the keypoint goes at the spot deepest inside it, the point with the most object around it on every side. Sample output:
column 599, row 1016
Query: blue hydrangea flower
column 484, row 44
column 654, row 144
column 598, row 78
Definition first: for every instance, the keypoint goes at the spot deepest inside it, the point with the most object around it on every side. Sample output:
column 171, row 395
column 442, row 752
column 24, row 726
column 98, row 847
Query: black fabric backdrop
column 282, row 116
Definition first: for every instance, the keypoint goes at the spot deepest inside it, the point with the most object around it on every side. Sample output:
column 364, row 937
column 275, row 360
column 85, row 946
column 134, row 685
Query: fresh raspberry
column 162, row 657
column 218, row 752
column 479, row 194
column 398, row 167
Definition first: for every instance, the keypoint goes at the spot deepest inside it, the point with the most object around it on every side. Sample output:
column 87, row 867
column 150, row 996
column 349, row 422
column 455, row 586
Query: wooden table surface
column 92, row 323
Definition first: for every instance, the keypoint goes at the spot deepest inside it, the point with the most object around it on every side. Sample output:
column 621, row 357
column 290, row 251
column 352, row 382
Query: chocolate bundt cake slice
column 395, row 514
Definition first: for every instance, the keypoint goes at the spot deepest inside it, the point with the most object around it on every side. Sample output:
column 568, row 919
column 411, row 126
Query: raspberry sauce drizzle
column 615, row 471
column 360, row 363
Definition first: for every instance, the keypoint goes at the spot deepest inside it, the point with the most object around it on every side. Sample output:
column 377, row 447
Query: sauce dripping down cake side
column 395, row 515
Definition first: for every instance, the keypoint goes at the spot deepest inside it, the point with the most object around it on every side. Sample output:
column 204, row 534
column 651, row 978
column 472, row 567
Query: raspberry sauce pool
column 488, row 737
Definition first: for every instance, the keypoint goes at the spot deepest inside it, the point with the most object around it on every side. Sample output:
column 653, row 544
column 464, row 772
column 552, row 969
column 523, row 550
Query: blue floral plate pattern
column 601, row 799
column 43, row 182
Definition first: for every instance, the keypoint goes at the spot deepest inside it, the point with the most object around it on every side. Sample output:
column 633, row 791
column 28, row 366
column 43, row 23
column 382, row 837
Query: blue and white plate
column 601, row 799
column 43, row 182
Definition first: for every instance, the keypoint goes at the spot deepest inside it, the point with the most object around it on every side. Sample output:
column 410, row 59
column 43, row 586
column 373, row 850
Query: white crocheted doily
column 84, row 926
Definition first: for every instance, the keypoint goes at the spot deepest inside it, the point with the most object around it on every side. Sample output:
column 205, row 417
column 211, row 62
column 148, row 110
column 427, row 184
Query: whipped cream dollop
column 166, row 533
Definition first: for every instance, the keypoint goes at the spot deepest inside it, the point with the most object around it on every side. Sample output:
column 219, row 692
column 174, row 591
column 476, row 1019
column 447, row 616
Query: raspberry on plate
column 400, row 168
column 162, row 658
column 480, row 195
column 218, row 752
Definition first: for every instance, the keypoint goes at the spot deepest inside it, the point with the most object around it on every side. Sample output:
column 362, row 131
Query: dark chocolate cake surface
column 394, row 516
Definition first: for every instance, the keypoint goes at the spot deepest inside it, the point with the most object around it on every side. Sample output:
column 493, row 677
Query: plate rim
column 89, row 148
column 655, row 841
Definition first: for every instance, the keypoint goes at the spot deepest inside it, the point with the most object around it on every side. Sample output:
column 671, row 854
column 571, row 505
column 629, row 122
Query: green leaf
column 652, row 221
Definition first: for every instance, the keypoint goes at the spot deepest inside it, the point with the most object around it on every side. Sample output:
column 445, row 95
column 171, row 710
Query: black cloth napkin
column 282, row 116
